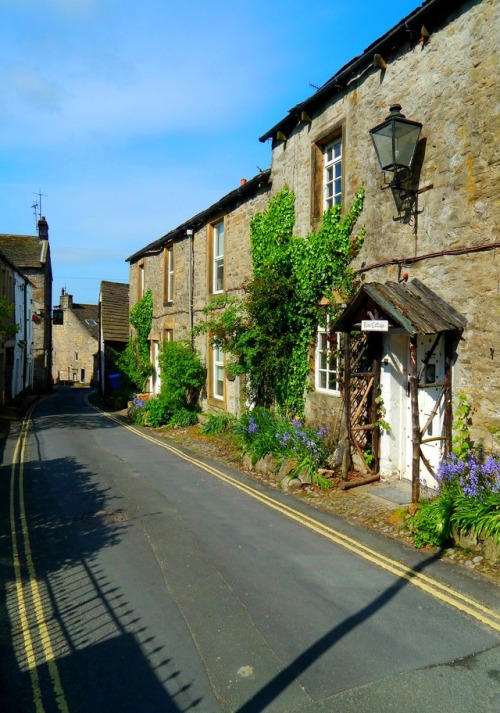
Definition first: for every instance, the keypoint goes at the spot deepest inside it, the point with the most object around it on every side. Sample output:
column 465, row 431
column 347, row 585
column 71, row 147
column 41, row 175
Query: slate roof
column 410, row 306
column 88, row 312
column 115, row 311
column 26, row 251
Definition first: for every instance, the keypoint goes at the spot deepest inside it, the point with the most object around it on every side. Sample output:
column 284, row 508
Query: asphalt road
column 137, row 578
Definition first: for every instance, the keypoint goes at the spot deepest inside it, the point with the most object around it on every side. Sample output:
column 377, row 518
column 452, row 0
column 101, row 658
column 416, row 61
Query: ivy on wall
column 7, row 327
column 268, row 333
column 134, row 361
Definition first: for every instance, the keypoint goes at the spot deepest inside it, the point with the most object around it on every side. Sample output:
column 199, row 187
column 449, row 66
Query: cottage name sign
column 374, row 325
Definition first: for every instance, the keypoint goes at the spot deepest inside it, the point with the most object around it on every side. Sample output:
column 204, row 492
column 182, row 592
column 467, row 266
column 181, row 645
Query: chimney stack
column 66, row 300
column 43, row 229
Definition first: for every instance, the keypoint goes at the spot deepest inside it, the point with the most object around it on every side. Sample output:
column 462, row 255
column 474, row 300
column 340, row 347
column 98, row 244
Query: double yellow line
column 431, row 586
column 29, row 601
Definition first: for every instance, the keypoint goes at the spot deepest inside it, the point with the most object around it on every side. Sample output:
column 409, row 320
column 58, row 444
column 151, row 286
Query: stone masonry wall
column 452, row 86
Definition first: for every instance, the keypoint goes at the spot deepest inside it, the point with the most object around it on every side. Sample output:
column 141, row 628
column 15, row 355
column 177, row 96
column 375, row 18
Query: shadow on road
column 293, row 671
column 105, row 659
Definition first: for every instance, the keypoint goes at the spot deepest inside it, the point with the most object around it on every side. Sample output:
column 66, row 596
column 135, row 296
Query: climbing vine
column 7, row 326
column 134, row 361
column 268, row 332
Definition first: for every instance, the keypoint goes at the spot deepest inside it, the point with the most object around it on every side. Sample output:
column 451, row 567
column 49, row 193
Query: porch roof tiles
column 411, row 306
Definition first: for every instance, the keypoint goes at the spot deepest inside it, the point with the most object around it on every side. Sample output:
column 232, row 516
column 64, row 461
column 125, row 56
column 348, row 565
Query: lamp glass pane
column 405, row 142
column 382, row 140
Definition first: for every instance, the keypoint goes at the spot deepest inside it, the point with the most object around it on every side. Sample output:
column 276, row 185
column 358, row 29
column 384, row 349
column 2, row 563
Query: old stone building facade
column 428, row 269
column 75, row 343
column 441, row 65
column 31, row 256
column 208, row 255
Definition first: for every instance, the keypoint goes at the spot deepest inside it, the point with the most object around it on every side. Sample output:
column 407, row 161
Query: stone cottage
column 206, row 256
column 30, row 254
column 428, row 309
column 75, row 342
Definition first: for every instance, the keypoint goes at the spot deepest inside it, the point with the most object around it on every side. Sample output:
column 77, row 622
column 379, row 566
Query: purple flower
column 252, row 425
column 476, row 475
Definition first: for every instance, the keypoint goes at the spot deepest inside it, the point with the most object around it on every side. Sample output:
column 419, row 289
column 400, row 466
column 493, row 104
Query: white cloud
column 32, row 88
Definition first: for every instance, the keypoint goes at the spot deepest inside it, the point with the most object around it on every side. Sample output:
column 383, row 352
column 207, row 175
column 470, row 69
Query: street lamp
column 395, row 141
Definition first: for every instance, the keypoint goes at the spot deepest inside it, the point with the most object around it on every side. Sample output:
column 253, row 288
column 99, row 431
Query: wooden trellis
column 361, row 372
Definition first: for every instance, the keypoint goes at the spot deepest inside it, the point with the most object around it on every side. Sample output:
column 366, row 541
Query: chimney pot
column 243, row 181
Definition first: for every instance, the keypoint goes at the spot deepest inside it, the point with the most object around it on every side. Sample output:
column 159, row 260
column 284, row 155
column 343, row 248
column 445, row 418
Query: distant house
column 206, row 256
column 30, row 254
column 75, row 342
column 16, row 350
column 114, row 329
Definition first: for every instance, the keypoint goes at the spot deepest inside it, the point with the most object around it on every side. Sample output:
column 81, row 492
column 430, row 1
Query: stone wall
column 451, row 85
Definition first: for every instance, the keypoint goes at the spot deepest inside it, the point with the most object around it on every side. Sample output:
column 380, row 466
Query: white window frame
column 332, row 173
column 218, row 229
column 217, row 371
column 169, row 267
column 327, row 365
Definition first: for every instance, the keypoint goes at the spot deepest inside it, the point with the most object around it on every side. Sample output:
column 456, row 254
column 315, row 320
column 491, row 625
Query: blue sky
column 130, row 117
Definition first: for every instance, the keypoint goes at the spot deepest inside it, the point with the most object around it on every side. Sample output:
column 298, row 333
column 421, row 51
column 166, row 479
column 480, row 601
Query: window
column 218, row 372
column 168, row 335
column 326, row 174
column 90, row 322
column 169, row 274
column 332, row 183
column 328, row 359
column 218, row 257
column 76, row 356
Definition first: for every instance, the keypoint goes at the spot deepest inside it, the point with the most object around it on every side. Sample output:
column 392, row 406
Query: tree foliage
column 268, row 332
column 134, row 361
column 7, row 327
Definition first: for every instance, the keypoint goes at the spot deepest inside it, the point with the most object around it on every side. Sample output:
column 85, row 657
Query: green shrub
column 182, row 374
column 158, row 412
column 256, row 433
column 183, row 417
column 480, row 516
column 431, row 523
column 218, row 423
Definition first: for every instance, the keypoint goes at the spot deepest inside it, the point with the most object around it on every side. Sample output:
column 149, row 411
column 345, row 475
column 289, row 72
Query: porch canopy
column 410, row 307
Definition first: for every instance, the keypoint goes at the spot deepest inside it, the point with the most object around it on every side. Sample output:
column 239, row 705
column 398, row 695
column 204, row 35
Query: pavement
column 395, row 490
